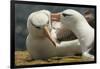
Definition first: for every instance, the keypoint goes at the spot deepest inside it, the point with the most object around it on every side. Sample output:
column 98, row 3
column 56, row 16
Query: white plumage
column 77, row 23
column 38, row 45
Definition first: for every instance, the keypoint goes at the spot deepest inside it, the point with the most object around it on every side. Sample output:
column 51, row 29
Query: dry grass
column 21, row 59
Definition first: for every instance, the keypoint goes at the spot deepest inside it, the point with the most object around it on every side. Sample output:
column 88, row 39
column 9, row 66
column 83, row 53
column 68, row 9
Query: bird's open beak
column 47, row 32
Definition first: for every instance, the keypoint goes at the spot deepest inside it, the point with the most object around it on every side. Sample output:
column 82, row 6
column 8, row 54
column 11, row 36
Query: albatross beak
column 47, row 32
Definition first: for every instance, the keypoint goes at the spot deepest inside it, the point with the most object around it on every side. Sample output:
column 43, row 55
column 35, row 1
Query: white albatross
column 38, row 45
column 77, row 23
column 41, row 40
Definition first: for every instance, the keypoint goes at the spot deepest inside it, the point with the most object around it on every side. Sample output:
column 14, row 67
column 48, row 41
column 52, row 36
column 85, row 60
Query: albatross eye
column 66, row 14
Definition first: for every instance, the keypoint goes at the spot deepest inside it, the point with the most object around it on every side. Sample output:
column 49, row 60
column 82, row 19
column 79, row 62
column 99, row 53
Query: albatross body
column 76, row 22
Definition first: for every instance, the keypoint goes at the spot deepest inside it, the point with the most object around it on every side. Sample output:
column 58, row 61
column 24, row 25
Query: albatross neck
column 84, row 32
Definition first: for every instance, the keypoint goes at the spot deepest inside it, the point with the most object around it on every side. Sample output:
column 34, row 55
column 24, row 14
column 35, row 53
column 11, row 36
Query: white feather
column 78, row 24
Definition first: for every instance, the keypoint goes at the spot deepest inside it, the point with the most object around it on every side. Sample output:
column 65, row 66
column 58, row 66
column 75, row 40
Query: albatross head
column 71, row 17
column 40, row 18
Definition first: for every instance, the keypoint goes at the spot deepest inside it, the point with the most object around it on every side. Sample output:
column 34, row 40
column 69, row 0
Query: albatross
column 38, row 45
column 77, row 23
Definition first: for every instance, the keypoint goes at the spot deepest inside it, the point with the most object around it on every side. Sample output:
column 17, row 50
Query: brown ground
column 21, row 59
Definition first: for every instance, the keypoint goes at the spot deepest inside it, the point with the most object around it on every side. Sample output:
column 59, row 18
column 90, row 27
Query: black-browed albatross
column 77, row 23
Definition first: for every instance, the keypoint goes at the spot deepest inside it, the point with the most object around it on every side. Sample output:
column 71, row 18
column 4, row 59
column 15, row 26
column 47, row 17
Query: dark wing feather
column 88, row 14
column 64, row 34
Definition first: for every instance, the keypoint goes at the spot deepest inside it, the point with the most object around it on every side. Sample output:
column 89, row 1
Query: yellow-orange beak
column 47, row 32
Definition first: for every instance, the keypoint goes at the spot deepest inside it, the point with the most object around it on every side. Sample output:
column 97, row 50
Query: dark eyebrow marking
column 35, row 26
column 66, row 14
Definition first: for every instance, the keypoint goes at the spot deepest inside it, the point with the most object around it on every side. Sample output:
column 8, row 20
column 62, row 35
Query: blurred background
column 22, row 12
